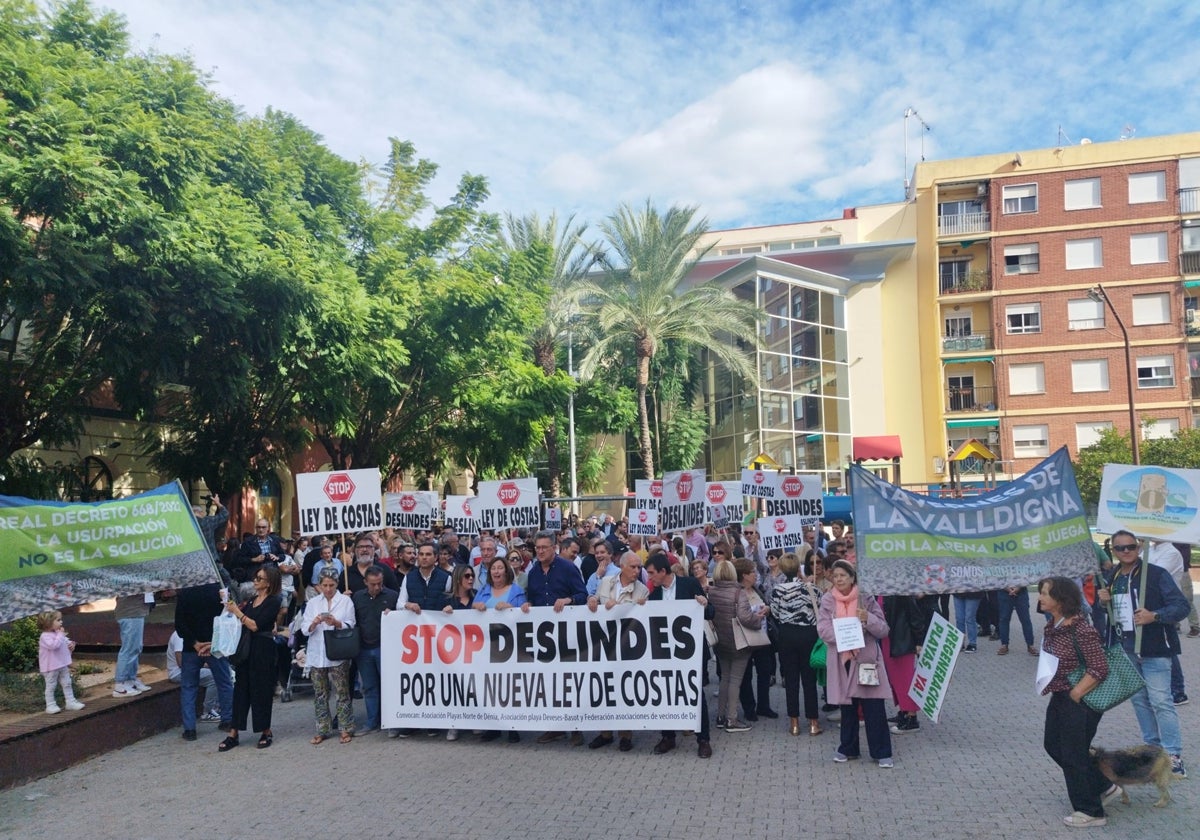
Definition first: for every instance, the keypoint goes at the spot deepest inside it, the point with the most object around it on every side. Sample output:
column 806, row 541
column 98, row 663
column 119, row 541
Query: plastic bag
column 227, row 632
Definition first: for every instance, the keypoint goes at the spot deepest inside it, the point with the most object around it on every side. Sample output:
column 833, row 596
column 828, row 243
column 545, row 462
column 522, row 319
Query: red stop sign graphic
column 684, row 488
column 716, row 494
column 642, row 516
column 408, row 503
column 656, row 488
column 792, row 486
column 759, row 478
column 466, row 506
column 780, row 526
column 339, row 487
column 508, row 493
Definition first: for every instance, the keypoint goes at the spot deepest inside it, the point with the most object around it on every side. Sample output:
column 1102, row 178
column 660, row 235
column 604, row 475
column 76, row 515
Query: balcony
column 961, row 343
column 960, row 223
column 964, row 282
column 1189, row 262
column 1191, row 322
column 1196, row 387
column 977, row 398
column 1189, row 200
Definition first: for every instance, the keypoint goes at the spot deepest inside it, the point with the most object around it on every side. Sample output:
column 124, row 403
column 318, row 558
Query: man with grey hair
column 623, row 588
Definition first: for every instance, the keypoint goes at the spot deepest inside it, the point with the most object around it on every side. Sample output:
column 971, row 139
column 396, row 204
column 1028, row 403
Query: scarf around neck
column 845, row 606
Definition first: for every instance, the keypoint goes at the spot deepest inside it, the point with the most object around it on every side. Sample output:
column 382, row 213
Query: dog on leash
column 1141, row 765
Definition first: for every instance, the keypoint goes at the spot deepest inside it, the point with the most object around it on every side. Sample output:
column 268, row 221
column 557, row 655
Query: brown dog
column 1140, row 765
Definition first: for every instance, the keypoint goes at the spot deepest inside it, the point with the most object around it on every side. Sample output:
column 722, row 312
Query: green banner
column 55, row 554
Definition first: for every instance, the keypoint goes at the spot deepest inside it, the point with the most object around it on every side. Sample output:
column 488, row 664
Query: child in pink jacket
column 54, row 661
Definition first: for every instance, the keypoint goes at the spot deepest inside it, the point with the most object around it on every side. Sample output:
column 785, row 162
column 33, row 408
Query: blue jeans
column 1153, row 705
column 1020, row 603
column 131, row 648
column 964, row 614
column 189, row 686
column 1177, row 686
column 368, row 672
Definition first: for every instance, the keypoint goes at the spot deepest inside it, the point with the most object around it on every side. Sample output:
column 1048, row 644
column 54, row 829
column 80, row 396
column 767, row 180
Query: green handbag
column 1123, row 680
column 816, row 660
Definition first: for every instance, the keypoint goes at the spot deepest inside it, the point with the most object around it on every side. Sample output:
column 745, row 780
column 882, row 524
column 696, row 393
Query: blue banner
column 912, row 544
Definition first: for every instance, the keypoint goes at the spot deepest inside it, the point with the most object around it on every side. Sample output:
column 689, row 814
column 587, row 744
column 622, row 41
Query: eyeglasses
column 260, row 577
column 1125, row 547
column 470, row 575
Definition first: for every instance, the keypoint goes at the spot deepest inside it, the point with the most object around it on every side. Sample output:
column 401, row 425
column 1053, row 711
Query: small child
column 54, row 661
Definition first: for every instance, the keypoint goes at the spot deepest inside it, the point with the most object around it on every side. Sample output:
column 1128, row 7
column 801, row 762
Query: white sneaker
column 74, row 705
column 123, row 689
column 52, row 709
column 139, row 685
column 451, row 734
column 211, row 715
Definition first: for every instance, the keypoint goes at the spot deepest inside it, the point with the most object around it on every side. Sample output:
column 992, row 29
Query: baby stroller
column 292, row 656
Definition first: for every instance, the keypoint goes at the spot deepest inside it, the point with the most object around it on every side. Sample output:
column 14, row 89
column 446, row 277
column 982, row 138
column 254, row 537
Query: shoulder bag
column 341, row 643
column 746, row 637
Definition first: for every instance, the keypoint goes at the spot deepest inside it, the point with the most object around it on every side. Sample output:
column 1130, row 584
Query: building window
column 1085, row 314
column 1021, row 259
column 1190, row 237
column 1088, row 375
column 1083, row 194
column 1023, row 318
column 1160, row 429
column 1027, row 379
column 1151, row 309
column 1087, row 434
column 1031, row 441
column 1146, row 248
column 1020, row 198
column 1156, row 372
column 1147, row 187
column 1084, row 253
column 958, row 326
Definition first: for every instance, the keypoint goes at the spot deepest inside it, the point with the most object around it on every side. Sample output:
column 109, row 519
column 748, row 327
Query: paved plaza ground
column 979, row 773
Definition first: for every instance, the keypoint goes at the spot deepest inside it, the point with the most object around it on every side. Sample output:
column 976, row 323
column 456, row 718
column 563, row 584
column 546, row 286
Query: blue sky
column 758, row 112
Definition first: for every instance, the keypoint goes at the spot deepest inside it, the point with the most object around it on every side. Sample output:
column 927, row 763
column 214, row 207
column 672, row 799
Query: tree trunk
column 643, row 384
column 544, row 357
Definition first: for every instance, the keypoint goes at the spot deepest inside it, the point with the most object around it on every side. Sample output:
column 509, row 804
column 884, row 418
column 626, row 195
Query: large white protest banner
column 460, row 515
column 339, row 502
column 511, row 503
column 647, row 493
column 683, row 502
column 782, row 532
column 724, row 502
column 629, row 667
column 643, row 522
column 412, row 509
column 934, row 666
column 1150, row 501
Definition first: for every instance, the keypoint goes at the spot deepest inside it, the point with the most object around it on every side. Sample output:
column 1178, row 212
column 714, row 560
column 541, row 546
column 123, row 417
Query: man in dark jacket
column 1144, row 619
column 195, row 609
column 668, row 586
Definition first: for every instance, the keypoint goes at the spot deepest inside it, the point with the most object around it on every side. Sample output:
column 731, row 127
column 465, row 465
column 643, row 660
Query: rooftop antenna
column 911, row 112
column 1063, row 139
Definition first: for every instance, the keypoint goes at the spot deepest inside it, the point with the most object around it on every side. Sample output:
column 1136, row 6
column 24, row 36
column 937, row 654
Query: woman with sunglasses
column 462, row 589
column 254, row 687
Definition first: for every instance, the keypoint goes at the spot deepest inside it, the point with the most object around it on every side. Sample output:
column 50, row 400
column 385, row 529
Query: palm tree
column 558, row 258
column 641, row 303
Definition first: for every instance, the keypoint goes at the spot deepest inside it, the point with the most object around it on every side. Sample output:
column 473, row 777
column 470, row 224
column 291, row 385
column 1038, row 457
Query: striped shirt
column 792, row 603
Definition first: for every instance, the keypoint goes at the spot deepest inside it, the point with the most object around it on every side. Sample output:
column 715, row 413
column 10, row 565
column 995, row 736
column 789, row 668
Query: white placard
column 724, row 502
column 643, row 523
column 511, row 503
column 848, row 634
column 411, row 510
column 683, row 503
column 1150, row 501
column 759, row 484
column 339, row 502
column 797, row 495
column 1047, row 667
column 647, row 494
column 631, row 667
column 935, row 665
column 782, row 532
column 460, row 515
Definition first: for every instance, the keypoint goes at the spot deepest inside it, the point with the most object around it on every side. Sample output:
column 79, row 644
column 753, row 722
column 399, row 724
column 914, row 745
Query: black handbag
column 242, row 654
column 341, row 643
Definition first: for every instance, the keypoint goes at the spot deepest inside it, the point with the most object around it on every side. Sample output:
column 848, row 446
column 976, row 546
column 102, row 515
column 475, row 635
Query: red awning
column 878, row 448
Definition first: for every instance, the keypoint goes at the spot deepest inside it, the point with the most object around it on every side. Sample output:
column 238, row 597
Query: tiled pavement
column 980, row 773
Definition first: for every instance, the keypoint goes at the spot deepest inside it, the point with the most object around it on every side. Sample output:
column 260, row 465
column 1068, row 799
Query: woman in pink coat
column 846, row 673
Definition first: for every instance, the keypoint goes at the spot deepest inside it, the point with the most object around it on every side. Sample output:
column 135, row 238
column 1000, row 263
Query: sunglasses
column 260, row 577
column 1125, row 547
column 469, row 575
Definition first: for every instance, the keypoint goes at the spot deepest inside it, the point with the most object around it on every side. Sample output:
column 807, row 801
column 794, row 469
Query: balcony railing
column 964, row 223
column 959, row 343
column 1189, row 262
column 977, row 398
column 964, row 282
column 1189, row 200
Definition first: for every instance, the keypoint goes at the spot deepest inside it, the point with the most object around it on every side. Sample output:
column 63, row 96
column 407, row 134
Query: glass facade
column 800, row 415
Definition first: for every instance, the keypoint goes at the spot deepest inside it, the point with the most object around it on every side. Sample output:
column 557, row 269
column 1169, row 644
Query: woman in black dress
column 254, row 689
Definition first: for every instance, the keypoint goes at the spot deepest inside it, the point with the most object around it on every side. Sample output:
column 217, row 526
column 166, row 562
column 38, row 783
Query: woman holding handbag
column 254, row 686
column 329, row 610
column 755, row 692
column 730, row 604
column 1071, row 641
column 794, row 604
column 856, row 677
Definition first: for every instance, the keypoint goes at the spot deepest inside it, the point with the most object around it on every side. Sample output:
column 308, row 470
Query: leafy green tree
column 642, row 302
column 1112, row 448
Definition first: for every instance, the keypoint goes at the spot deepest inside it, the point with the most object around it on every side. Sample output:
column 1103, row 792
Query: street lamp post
column 1098, row 294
